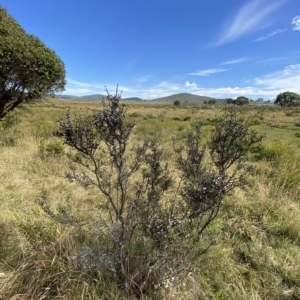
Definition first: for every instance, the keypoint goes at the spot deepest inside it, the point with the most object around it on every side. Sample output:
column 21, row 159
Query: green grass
column 256, row 237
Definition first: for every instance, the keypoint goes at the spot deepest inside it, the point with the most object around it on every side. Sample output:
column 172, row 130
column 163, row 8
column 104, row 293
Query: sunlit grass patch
column 255, row 252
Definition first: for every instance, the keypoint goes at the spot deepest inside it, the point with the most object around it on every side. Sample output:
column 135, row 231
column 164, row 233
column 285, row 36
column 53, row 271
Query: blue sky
column 155, row 48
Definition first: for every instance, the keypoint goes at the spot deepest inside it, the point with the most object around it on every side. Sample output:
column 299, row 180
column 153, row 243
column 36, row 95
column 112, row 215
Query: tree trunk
column 7, row 105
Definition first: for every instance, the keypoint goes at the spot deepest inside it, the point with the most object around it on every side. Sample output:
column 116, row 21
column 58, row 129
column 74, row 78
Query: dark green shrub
column 255, row 122
column 188, row 118
column 177, row 103
column 177, row 119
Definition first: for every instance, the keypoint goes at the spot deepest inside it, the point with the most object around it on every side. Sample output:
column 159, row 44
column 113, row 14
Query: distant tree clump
column 259, row 100
column 287, row 99
column 212, row 101
column 238, row 101
column 177, row 102
column 230, row 101
column 152, row 231
column 29, row 69
column 242, row 100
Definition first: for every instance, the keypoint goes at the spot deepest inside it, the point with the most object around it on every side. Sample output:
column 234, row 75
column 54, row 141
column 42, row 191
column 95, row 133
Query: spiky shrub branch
column 152, row 233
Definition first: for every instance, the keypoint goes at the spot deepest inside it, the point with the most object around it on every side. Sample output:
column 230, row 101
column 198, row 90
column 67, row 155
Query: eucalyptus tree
column 287, row 99
column 241, row 100
column 29, row 69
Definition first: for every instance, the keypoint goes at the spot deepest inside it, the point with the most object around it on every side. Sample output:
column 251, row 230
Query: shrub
column 188, row 118
column 53, row 147
column 153, row 232
column 176, row 119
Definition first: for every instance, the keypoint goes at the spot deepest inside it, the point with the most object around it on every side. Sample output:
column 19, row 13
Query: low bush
column 53, row 147
column 151, row 238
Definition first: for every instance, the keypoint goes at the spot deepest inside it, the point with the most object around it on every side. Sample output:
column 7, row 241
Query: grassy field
column 256, row 254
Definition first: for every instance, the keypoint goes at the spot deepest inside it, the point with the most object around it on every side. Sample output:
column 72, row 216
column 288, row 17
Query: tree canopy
column 29, row 69
column 241, row 100
column 287, row 99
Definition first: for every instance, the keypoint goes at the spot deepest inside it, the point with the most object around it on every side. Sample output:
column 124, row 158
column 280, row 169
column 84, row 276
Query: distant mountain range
column 94, row 97
column 184, row 98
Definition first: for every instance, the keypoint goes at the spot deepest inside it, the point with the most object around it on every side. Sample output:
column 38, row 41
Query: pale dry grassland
column 256, row 254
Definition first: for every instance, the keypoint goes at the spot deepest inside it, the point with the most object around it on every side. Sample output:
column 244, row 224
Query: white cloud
column 268, row 35
column 207, row 72
column 285, row 80
column 249, row 18
column 267, row 86
column 296, row 23
column 235, row 61
column 78, row 88
column 78, row 91
column 190, row 84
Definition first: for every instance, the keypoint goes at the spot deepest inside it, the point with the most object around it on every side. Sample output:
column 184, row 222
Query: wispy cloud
column 142, row 78
column 285, row 80
column 77, row 83
column 267, row 86
column 272, row 59
column 235, row 61
column 249, row 18
column 78, row 88
column 296, row 23
column 78, row 91
column 131, row 63
column 207, row 72
column 170, row 86
column 268, row 35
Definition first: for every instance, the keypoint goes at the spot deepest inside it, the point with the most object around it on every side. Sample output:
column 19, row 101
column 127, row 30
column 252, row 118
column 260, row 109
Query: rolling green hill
column 184, row 98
